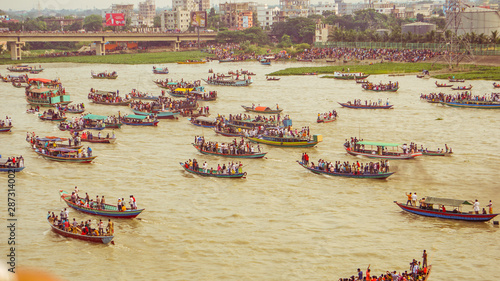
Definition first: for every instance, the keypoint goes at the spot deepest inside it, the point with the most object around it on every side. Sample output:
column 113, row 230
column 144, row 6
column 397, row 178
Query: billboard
column 199, row 19
column 115, row 19
column 245, row 22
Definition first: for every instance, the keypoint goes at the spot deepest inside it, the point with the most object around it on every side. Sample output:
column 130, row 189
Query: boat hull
column 471, row 105
column 5, row 129
column 109, row 211
column 272, row 111
column 447, row 215
column 400, row 156
column 348, row 175
column 101, row 140
column 366, row 107
column 159, row 115
column 67, row 159
column 284, row 144
column 95, row 239
column 19, row 169
column 249, row 155
column 200, row 173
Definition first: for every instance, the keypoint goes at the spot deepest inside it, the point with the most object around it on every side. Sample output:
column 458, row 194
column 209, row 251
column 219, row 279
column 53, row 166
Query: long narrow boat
column 65, row 155
column 99, row 140
column 139, row 120
column 462, row 88
column 7, row 166
column 326, row 120
column 350, row 75
column 104, row 75
column 443, row 85
column 201, row 173
column 456, row 214
column 192, row 62
column 456, row 80
column 287, row 141
column 381, row 87
column 473, row 104
column 202, row 121
column 262, row 109
column 360, row 106
column 435, row 153
column 229, row 132
column 165, row 114
column 380, row 152
column 89, row 238
column 160, row 70
column 4, row 129
column 51, row 116
column 246, row 155
column 316, row 170
column 232, row 82
column 108, row 211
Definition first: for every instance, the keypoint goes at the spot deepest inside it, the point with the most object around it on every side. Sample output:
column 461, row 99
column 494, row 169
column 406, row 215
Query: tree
column 420, row 17
column 77, row 25
column 157, row 21
column 35, row 25
column 92, row 23
column 439, row 22
column 494, row 36
column 301, row 30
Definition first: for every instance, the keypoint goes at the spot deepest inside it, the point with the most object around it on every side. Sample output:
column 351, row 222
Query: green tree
column 157, row 21
column 420, row 17
column 438, row 21
column 494, row 36
column 77, row 25
column 301, row 30
column 92, row 23
column 35, row 25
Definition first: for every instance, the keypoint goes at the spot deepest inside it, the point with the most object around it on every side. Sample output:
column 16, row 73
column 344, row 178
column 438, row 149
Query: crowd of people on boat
column 52, row 114
column 418, row 271
column 12, row 162
column 284, row 132
column 331, row 115
column 104, row 74
column 164, row 103
column 106, row 97
column 381, row 86
column 354, row 168
column 70, row 108
column 76, row 124
column 446, row 149
column 369, row 103
column 84, row 228
column 355, row 146
column 233, row 148
column 344, row 53
column 23, row 78
column 137, row 94
column 53, row 91
column 271, row 120
column 6, row 123
column 461, row 97
column 231, row 168
column 221, row 80
column 172, row 85
column 90, row 136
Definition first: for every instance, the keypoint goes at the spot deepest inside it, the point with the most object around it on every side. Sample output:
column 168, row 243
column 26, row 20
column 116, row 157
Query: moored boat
column 359, row 175
column 104, row 239
column 349, row 75
column 428, row 210
column 191, row 62
column 262, row 109
column 107, row 210
column 212, row 173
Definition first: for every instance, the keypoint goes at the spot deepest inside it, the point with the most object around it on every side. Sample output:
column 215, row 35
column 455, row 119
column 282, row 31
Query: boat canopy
column 51, row 139
column 3, row 161
column 206, row 119
column 183, row 89
column 95, row 117
column 446, row 201
column 62, row 149
column 43, row 80
column 132, row 116
column 172, row 83
column 378, row 143
column 261, row 108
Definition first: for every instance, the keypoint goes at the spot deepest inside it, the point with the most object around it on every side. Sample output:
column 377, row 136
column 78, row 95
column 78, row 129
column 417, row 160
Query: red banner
column 115, row 19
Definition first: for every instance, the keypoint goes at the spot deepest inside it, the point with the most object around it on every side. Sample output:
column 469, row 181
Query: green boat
column 287, row 141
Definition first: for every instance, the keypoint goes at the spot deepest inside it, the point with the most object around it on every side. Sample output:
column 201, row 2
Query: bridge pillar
column 15, row 50
column 100, row 50
column 177, row 44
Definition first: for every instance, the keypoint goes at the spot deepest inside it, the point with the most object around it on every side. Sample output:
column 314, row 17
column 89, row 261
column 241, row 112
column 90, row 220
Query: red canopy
column 43, row 80
column 260, row 108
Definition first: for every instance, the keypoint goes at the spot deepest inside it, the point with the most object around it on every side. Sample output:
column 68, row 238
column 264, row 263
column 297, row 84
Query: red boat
column 96, row 239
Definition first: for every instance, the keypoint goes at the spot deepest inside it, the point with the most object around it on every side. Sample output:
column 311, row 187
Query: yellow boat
column 287, row 141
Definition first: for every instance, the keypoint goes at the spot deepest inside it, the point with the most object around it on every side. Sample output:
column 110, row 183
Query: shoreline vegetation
column 438, row 71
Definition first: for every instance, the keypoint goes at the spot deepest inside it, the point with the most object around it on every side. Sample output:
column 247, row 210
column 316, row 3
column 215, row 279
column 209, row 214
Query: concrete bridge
column 17, row 39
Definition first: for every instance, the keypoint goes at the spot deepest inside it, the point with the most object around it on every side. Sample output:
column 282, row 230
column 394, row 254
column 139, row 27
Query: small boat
column 36, row 71
column 6, row 165
column 159, row 114
column 245, row 155
column 456, row 80
column 205, row 122
column 227, row 60
column 464, row 88
column 51, row 115
column 262, row 109
column 473, row 104
column 380, row 152
column 326, row 119
column 17, row 85
column 265, row 61
column 191, row 62
column 496, row 85
column 71, row 109
column 272, row 78
column 305, row 60
column 229, row 82
column 436, row 153
column 160, row 70
column 107, row 211
column 62, row 154
column 316, row 170
column 443, row 85
column 349, row 75
column 105, row 239
column 104, row 75
column 139, row 120
column 142, row 96
column 456, row 214
column 69, row 126
column 331, row 60
column 310, row 73
column 229, row 131
column 108, row 98
column 212, row 174
column 361, row 81
column 24, row 68
column 4, row 128
column 101, row 122
column 95, row 139
column 360, row 106
column 389, row 87
column 287, row 141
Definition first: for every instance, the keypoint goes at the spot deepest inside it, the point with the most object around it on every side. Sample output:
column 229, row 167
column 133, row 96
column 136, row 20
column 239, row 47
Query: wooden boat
column 191, row 62
column 101, row 122
column 47, row 96
column 205, row 122
column 348, row 105
column 326, row 120
column 262, row 109
column 159, row 70
column 305, row 60
column 495, row 85
column 51, row 117
column 43, row 82
column 68, row 109
column 349, row 75
column 108, row 98
column 96, row 239
column 456, row 214
column 247, row 155
column 380, row 88
column 24, row 68
column 62, row 126
column 95, row 139
column 462, row 88
column 104, row 75
column 443, row 85
column 139, row 120
column 287, row 141
column 473, row 104
column 36, row 71
column 201, row 173
column 62, row 154
column 435, row 153
column 4, row 129
column 380, row 153
column 316, row 170
column 273, row 78
column 108, row 211
column 159, row 114
column 331, row 60
column 227, row 60
column 265, row 61
column 229, row 131
column 361, row 81
column 456, row 80
column 229, row 82
column 9, row 166
column 17, row 85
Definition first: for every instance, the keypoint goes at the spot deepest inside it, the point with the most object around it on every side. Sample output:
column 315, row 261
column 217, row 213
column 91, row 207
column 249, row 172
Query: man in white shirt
column 476, row 207
column 414, row 199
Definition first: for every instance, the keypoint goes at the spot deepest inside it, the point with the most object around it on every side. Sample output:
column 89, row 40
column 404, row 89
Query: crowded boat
column 104, row 75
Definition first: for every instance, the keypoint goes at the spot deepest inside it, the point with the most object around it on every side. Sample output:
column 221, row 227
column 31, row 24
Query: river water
column 281, row 222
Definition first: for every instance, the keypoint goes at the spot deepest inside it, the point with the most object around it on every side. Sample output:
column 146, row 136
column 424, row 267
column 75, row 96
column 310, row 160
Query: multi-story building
column 474, row 19
column 322, row 32
column 237, row 15
column 267, row 16
column 204, row 5
column 322, row 8
column 187, row 5
column 175, row 20
column 147, row 13
column 127, row 10
column 294, row 8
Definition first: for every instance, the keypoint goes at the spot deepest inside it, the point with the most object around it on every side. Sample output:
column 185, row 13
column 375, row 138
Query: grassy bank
column 439, row 71
column 138, row 58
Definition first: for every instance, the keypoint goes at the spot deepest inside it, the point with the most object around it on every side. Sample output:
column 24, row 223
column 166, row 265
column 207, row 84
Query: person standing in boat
column 110, row 228
column 476, row 207
column 490, row 207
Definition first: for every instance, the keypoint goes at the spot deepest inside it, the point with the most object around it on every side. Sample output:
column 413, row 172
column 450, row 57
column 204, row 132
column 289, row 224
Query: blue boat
column 159, row 70
column 265, row 61
column 316, row 170
column 473, row 104
column 9, row 166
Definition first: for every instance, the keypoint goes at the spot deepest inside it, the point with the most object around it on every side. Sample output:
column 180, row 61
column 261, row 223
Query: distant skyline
column 99, row 4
